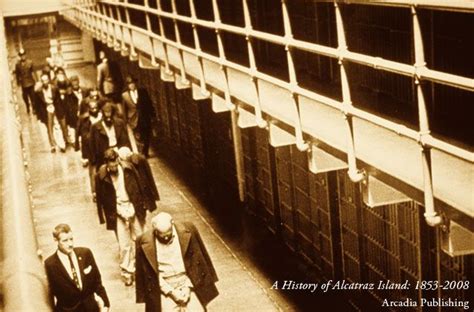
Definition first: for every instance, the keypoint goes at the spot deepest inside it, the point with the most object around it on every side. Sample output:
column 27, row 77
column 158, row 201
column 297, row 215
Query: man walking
column 47, row 98
column 26, row 79
column 120, row 197
column 73, row 276
column 173, row 269
column 110, row 132
column 105, row 80
column 138, row 110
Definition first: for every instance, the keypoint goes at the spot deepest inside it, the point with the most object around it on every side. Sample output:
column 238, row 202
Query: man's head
column 131, row 83
column 94, row 94
column 162, row 225
column 22, row 54
column 108, row 112
column 62, row 87
column 102, row 56
column 111, row 160
column 93, row 107
column 60, row 75
column 124, row 152
column 74, row 82
column 45, row 79
column 63, row 236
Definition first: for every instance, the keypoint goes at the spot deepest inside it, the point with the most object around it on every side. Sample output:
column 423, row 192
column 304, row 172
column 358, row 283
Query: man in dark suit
column 26, row 79
column 110, row 132
column 138, row 110
column 47, row 98
column 105, row 80
column 173, row 268
column 147, row 181
column 73, row 276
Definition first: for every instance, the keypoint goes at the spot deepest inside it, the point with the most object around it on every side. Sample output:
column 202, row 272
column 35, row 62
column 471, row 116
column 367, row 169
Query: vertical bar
column 431, row 215
column 222, row 57
column 167, row 71
column 253, row 67
column 115, row 43
column 236, row 134
column 355, row 174
column 197, row 44
column 123, row 46
column 133, row 53
column 300, row 143
column 183, row 78
column 154, row 62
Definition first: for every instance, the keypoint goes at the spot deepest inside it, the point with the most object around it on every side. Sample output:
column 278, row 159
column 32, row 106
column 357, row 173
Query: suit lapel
column 184, row 236
column 149, row 249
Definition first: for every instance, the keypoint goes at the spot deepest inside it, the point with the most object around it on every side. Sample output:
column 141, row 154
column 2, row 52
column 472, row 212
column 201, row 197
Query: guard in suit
column 73, row 276
column 138, row 110
column 173, row 269
column 26, row 79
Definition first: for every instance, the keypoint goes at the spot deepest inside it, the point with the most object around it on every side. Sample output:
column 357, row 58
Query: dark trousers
column 28, row 97
column 142, row 137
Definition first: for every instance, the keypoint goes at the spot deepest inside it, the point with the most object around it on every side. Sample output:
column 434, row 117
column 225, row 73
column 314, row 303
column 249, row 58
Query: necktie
column 74, row 273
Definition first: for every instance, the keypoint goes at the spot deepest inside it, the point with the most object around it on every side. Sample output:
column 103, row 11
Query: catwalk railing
column 24, row 285
column 429, row 170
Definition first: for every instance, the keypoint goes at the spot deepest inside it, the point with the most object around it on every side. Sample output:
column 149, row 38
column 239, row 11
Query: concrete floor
column 61, row 193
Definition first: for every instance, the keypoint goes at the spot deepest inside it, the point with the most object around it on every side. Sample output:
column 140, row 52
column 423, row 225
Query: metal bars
column 376, row 62
column 249, row 33
column 259, row 79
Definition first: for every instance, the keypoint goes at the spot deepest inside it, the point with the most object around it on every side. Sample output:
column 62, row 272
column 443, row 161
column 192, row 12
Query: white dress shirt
column 170, row 259
column 110, row 134
column 134, row 96
column 67, row 265
column 78, row 94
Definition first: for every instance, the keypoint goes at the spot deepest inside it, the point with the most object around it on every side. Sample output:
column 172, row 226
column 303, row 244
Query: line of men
column 170, row 264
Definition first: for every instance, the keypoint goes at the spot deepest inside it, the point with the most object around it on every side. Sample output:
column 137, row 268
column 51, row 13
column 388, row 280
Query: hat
column 74, row 78
column 21, row 52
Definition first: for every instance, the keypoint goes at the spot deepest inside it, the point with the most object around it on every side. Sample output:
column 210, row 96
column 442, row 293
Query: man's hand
column 181, row 295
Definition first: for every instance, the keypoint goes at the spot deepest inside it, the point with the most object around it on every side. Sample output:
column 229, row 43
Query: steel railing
column 87, row 14
column 23, row 278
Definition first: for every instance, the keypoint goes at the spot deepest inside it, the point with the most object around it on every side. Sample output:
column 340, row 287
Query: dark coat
column 138, row 115
column 74, row 107
column 83, row 130
column 68, row 296
column 150, row 191
column 197, row 262
column 41, row 104
column 61, row 106
column 107, row 199
column 99, row 142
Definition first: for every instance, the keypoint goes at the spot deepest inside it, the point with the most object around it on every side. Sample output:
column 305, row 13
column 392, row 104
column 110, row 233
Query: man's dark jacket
column 138, row 115
column 41, row 104
column 99, row 141
column 107, row 198
column 196, row 260
column 150, row 191
column 68, row 296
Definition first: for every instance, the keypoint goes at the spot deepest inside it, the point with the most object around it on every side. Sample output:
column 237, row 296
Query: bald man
column 173, row 269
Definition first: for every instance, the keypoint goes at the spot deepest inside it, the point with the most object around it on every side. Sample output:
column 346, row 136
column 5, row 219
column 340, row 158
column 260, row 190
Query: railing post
column 355, row 174
column 431, row 215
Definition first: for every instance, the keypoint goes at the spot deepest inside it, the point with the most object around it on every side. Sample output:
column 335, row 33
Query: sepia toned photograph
column 236, row 155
